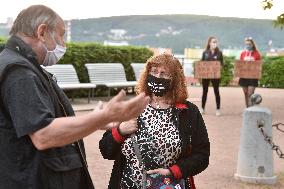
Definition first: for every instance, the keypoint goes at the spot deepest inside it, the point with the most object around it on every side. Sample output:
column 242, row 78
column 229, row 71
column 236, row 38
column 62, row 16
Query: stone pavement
column 224, row 135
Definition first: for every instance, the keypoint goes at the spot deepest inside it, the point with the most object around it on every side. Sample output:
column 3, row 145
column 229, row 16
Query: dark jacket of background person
column 195, row 145
column 21, row 164
column 216, row 56
column 208, row 56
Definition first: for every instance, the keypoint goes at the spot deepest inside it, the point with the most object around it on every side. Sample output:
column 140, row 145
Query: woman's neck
column 212, row 51
column 160, row 102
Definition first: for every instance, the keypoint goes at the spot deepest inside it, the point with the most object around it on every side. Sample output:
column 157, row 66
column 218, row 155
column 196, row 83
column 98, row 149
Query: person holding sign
column 249, row 54
column 212, row 53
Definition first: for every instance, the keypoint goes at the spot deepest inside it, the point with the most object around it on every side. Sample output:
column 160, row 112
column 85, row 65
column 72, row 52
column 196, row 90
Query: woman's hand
column 160, row 171
column 128, row 127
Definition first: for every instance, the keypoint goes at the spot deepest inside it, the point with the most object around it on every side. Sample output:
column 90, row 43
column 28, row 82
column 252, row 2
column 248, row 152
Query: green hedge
column 1, row 47
column 79, row 54
column 273, row 72
column 227, row 71
column 2, row 43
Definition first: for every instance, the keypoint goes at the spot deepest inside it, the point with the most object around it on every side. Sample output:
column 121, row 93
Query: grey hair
column 29, row 19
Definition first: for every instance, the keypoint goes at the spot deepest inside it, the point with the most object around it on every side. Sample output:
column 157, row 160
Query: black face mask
column 158, row 86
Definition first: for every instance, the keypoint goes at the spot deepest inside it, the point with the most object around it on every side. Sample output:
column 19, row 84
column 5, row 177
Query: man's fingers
column 139, row 101
column 100, row 105
column 136, row 106
column 120, row 96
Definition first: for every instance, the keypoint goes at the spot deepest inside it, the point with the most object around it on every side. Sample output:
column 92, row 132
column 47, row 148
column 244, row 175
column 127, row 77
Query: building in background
column 68, row 31
column 117, row 38
column 8, row 24
column 232, row 52
column 275, row 52
column 158, row 51
column 193, row 53
column 116, row 43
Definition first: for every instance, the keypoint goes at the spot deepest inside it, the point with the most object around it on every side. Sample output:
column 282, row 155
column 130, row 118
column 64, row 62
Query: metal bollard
column 255, row 159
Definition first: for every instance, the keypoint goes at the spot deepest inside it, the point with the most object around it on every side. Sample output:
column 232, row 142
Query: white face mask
column 213, row 45
column 52, row 57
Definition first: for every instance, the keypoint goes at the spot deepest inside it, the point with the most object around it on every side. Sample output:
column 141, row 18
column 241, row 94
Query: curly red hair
column 178, row 90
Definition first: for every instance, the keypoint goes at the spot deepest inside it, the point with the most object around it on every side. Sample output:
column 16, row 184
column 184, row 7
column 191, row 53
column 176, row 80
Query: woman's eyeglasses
column 165, row 75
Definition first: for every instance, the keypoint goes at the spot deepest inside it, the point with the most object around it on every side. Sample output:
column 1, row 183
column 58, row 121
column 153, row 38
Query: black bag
column 156, row 181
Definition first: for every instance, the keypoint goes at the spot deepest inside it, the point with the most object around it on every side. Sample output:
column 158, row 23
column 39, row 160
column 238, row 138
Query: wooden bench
column 111, row 75
column 137, row 68
column 67, row 78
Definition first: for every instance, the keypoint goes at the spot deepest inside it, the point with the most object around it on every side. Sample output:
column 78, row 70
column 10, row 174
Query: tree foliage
column 279, row 22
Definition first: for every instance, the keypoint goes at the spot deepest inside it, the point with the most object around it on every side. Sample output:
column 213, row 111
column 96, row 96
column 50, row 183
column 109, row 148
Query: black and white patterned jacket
column 195, row 146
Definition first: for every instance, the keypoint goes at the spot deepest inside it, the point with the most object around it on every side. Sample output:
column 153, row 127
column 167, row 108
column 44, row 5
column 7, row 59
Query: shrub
column 2, row 44
column 272, row 72
column 78, row 54
column 227, row 71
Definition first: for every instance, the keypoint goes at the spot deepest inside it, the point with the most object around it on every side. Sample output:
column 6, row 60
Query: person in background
column 170, row 133
column 212, row 53
column 249, row 54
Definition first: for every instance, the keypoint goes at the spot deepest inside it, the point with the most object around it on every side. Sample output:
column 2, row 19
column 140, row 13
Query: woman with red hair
column 170, row 134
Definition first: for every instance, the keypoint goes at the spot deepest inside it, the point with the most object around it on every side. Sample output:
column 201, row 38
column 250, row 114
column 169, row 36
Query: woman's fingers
column 154, row 171
column 160, row 171
column 111, row 125
column 128, row 127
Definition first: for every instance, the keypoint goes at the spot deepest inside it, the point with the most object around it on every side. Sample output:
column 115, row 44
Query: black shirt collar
column 17, row 45
column 212, row 54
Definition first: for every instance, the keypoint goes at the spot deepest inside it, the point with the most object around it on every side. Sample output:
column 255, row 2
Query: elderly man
column 40, row 138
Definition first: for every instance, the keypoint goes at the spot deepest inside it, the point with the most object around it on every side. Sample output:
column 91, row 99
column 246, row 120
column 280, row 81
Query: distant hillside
column 177, row 31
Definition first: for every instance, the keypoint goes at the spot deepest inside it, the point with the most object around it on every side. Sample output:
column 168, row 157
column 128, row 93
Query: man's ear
column 41, row 32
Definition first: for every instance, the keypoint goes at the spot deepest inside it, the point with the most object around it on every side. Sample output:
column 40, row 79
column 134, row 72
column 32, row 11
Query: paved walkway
column 224, row 134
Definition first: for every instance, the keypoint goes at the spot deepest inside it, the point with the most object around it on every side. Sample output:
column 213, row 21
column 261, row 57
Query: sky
column 80, row 9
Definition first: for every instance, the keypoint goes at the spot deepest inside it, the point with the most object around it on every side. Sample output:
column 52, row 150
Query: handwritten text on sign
column 248, row 69
column 207, row 69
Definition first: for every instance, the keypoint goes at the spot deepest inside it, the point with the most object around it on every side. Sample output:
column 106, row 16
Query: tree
column 279, row 22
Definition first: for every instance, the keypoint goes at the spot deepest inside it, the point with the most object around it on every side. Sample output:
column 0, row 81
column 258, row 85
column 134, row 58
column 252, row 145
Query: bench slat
column 66, row 77
column 137, row 68
column 108, row 74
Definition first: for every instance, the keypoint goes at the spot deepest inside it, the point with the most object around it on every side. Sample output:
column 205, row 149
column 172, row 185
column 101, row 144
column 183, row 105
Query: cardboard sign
column 207, row 70
column 248, row 69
